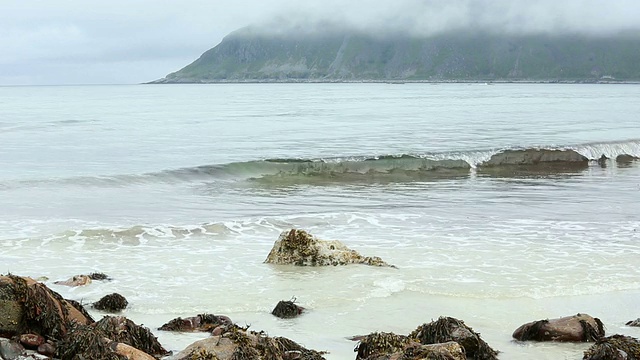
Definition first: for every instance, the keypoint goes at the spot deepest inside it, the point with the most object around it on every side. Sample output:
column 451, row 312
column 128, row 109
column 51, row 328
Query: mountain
column 248, row 55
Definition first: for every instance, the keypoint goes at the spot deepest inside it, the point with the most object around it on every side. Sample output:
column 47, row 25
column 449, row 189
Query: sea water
column 178, row 193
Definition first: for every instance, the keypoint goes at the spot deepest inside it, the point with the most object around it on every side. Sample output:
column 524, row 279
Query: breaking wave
column 445, row 164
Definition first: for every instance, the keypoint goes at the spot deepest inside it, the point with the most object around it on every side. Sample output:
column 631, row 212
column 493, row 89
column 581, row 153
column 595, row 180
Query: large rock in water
column 297, row 247
column 28, row 306
column 576, row 328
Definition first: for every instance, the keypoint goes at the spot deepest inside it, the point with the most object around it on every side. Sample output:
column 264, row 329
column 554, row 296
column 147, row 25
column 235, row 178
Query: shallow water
column 166, row 189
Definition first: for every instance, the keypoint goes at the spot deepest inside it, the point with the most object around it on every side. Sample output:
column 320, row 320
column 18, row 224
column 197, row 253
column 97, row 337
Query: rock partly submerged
column 576, row 328
column 287, row 309
column 298, row 247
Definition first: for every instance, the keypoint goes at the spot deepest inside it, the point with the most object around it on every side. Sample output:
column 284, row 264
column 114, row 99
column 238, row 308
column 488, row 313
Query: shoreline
column 395, row 82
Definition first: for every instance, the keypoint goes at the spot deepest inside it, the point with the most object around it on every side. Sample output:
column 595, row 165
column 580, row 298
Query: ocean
column 178, row 193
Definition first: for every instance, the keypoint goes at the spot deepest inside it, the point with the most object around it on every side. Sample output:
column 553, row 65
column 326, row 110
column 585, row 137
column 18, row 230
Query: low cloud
column 74, row 37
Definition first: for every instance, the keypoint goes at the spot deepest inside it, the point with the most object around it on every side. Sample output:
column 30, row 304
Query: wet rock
column 576, row 328
column 615, row 347
column 31, row 341
column 287, row 309
column 78, row 280
column 111, row 303
column 635, row 322
column 447, row 329
column 10, row 350
column 47, row 349
column 201, row 322
column 536, row 157
column 239, row 343
column 31, row 307
column 297, row 247
column 625, row 158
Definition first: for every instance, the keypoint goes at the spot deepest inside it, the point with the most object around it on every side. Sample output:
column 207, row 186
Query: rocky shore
column 38, row 323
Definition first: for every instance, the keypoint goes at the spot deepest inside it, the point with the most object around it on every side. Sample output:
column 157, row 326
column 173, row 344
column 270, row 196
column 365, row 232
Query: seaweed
column 614, row 347
column 447, row 329
column 99, row 276
column 83, row 342
column 123, row 330
column 379, row 343
column 200, row 322
column 112, row 303
column 533, row 332
column 42, row 315
column 589, row 333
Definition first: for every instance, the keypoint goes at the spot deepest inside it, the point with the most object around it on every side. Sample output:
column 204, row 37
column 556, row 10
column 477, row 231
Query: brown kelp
column 111, row 303
column 614, row 347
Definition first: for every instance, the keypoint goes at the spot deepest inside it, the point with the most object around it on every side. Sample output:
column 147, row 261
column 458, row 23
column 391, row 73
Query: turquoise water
column 179, row 191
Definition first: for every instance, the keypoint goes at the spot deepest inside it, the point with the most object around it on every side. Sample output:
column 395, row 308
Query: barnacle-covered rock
column 447, row 329
column 576, row 328
column 298, row 247
column 615, row 347
column 30, row 307
column 112, row 303
column 241, row 344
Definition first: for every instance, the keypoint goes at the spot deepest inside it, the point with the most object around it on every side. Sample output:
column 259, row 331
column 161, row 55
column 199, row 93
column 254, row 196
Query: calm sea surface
column 178, row 193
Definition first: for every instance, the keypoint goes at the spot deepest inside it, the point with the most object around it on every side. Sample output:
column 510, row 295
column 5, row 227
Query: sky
column 49, row 42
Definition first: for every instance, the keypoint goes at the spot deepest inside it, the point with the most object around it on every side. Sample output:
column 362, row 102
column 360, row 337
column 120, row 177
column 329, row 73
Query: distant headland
column 252, row 55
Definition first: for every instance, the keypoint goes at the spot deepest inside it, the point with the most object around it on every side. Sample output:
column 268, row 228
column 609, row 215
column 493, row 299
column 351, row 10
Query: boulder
column 447, row 329
column 201, row 322
column 287, row 309
column 30, row 307
column 615, row 347
column 635, row 322
column 576, row 328
column 77, row 280
column 297, row 247
column 240, row 343
column 111, row 303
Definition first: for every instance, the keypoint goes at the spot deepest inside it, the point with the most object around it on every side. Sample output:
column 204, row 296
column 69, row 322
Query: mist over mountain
column 347, row 54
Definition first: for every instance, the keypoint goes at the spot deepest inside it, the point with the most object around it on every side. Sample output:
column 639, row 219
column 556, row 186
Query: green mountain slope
column 247, row 55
